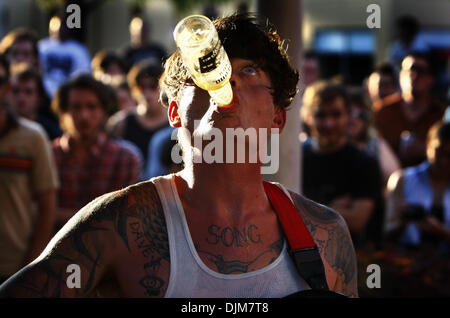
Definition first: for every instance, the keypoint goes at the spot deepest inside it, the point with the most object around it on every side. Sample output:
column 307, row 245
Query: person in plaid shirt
column 89, row 163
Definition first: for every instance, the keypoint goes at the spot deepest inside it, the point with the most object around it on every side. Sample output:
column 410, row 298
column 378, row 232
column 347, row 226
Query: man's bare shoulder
column 139, row 201
column 322, row 222
column 117, row 229
column 332, row 237
column 114, row 210
column 144, row 206
column 315, row 211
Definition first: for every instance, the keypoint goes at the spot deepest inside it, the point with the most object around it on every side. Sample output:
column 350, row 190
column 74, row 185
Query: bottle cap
column 222, row 96
column 193, row 32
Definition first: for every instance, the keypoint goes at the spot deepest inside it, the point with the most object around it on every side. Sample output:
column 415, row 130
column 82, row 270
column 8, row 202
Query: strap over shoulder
column 302, row 247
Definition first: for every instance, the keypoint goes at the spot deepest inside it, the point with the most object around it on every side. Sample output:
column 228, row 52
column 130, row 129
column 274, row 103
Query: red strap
column 294, row 228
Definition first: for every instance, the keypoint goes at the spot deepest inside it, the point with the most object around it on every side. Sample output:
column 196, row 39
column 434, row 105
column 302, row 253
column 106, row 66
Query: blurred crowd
column 73, row 128
column 379, row 154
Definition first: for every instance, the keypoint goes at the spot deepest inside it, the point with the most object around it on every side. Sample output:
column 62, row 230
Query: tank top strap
column 174, row 229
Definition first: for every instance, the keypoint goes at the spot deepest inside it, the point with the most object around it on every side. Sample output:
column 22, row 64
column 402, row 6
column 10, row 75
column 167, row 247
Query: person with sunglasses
column 404, row 119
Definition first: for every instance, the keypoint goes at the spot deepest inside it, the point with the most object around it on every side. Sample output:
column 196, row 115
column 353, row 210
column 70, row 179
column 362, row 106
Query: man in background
column 88, row 161
column 335, row 172
column 382, row 82
column 403, row 119
column 20, row 46
column 30, row 101
column 28, row 184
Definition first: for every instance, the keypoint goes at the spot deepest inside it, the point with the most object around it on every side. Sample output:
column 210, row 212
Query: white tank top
column 191, row 278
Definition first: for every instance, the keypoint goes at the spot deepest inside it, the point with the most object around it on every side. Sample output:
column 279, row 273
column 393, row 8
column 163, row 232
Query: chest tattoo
column 231, row 236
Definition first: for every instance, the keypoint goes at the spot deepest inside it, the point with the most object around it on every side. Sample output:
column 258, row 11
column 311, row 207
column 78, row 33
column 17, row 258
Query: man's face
column 25, row 97
column 85, row 113
column 253, row 105
column 380, row 86
column 22, row 52
column 252, row 110
column 415, row 76
column 149, row 90
column 330, row 122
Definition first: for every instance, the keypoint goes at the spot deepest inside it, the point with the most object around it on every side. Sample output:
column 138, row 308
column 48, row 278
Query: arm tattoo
column 333, row 240
column 49, row 278
column 150, row 234
column 91, row 243
column 151, row 282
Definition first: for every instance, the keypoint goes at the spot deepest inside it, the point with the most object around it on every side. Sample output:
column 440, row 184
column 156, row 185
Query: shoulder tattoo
column 333, row 240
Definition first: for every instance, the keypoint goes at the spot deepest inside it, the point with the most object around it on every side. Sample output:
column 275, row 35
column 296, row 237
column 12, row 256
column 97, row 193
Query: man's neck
column 223, row 191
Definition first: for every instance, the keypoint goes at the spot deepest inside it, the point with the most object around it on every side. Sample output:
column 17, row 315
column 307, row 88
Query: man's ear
column 279, row 118
column 174, row 117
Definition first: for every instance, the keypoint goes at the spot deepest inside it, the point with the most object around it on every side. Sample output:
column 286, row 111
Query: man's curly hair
column 243, row 36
